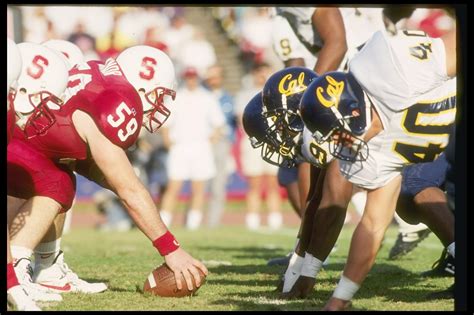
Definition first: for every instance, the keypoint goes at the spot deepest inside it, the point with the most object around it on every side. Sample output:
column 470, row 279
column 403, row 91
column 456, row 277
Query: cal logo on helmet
column 333, row 91
column 289, row 85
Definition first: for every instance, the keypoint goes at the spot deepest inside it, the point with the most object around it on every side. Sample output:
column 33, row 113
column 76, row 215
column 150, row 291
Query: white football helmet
column 13, row 64
column 152, row 74
column 72, row 53
column 41, row 84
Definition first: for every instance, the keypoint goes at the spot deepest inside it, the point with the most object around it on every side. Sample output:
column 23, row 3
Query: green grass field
column 239, row 278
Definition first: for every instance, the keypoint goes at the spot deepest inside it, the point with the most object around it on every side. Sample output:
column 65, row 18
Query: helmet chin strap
column 22, row 119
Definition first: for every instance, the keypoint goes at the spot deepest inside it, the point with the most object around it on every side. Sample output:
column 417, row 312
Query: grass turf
column 239, row 278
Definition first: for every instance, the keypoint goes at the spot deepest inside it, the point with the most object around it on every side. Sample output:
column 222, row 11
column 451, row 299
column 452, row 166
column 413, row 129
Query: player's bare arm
column 134, row 195
column 366, row 240
column 449, row 40
column 329, row 24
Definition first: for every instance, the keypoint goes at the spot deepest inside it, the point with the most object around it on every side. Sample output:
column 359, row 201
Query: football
column 161, row 282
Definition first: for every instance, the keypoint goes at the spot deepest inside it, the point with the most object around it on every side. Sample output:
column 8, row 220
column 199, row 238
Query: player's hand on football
column 182, row 263
column 301, row 289
column 335, row 304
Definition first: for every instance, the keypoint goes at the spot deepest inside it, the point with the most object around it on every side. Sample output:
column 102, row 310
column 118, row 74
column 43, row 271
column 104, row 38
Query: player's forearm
column 142, row 210
column 308, row 222
column 330, row 56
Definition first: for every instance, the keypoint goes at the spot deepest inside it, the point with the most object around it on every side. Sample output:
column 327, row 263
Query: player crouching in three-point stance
column 394, row 107
column 104, row 108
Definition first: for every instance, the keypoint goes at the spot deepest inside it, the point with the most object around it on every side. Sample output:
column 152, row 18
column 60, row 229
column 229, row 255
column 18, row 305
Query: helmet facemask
column 343, row 143
column 282, row 135
column 155, row 117
column 38, row 121
column 277, row 157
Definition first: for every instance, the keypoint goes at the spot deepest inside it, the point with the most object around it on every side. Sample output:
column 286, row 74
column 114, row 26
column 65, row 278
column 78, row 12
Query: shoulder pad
column 118, row 115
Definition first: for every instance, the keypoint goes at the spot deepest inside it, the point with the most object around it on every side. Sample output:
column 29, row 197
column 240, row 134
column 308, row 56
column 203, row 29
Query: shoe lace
column 70, row 275
column 25, row 275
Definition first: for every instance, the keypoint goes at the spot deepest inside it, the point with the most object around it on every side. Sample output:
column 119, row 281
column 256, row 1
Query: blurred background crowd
column 222, row 58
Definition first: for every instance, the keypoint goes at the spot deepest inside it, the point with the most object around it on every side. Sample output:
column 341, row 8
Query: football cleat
column 406, row 242
column 20, row 300
column 280, row 261
column 36, row 292
column 443, row 267
column 60, row 278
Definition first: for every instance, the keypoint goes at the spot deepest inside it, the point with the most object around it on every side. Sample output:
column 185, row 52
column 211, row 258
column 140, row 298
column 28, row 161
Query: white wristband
column 346, row 288
column 311, row 266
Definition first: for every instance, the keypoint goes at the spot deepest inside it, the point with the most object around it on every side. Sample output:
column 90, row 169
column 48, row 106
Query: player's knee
column 67, row 192
column 429, row 195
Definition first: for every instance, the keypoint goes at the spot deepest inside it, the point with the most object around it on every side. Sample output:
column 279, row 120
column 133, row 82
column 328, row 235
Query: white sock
column 45, row 253
column 404, row 227
column 19, row 252
column 275, row 220
column 252, row 220
column 194, row 218
column 450, row 249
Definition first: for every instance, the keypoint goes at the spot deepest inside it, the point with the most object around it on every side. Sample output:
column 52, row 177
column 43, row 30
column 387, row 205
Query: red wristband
column 166, row 244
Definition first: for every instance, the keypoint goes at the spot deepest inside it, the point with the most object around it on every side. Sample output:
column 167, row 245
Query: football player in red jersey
column 106, row 104
column 16, row 295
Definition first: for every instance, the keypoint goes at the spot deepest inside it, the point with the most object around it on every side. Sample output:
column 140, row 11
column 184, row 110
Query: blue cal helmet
column 263, row 136
column 334, row 105
column 281, row 96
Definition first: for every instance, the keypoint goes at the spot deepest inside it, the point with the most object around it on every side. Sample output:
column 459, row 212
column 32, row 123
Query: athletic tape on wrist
column 166, row 244
column 296, row 262
column 311, row 266
column 346, row 288
column 292, row 272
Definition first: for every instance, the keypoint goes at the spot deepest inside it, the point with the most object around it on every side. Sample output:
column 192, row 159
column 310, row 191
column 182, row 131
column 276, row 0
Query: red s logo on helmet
column 149, row 71
column 38, row 63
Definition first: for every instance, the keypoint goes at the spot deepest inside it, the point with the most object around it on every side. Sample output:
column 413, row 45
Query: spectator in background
column 153, row 38
column 197, row 53
column 195, row 124
column 156, row 166
column 177, row 34
column 254, row 168
column 84, row 41
column 38, row 28
column 256, row 37
column 225, row 163
column 435, row 22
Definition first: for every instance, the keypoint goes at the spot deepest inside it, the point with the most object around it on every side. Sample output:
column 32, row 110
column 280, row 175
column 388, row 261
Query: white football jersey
column 299, row 18
column 406, row 81
column 286, row 45
column 316, row 154
column 294, row 35
column 360, row 24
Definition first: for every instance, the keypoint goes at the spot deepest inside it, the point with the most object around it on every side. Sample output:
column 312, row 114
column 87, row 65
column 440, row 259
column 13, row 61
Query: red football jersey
column 10, row 121
column 102, row 91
